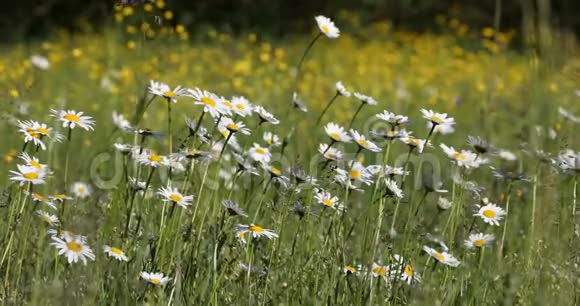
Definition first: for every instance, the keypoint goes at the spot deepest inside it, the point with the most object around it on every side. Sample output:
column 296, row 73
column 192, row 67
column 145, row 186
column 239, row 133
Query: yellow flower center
column 355, row 174
column 81, row 190
column 155, row 158
column 155, row 281
column 208, row 101
column 350, row 269
column 33, row 133
column 240, row 106
column 436, row 119
column 380, row 271
column 330, row 156
column 169, row 93
column 440, row 256
column 233, row 126
column 325, row 29
column 363, row 143
column 30, row 175
column 35, row 164
column 228, row 104
column 479, row 243
column 256, row 228
column 260, row 151
column 60, row 196
column 116, row 251
column 38, row 197
column 74, row 246
column 276, row 171
column 328, row 202
column 43, row 131
column 459, row 156
column 72, row 117
column 175, row 197
column 409, row 270
column 489, row 213
column 335, row 136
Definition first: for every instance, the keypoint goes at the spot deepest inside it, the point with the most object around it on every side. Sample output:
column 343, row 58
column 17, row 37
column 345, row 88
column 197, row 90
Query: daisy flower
column 413, row 142
column 155, row 278
column 241, row 106
column 149, row 158
column 357, row 172
column 569, row 160
column 327, row 200
column 74, row 247
column 437, row 118
column 120, row 122
column 234, row 127
column 271, row 139
column 116, row 253
column 393, row 188
column 464, row 158
column 233, row 208
column 27, row 174
column 406, row 270
column 350, row 269
column 256, row 231
column 260, row 154
column 341, row 90
column 298, row 103
column 32, row 161
column 173, row 195
column 329, row 153
column 51, row 220
column 81, row 190
column 27, row 128
column 327, row 27
column 380, row 271
column 71, row 119
column 336, row 133
column 442, row 257
column 363, row 143
column 37, row 197
column 163, row 90
column 392, row 119
column 365, row 99
column 480, row 145
column 490, row 213
column 265, row 116
column 479, row 240
column 210, row 101
column 442, row 129
column 59, row 197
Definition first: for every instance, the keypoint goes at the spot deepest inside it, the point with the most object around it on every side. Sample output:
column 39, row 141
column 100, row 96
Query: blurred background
column 31, row 18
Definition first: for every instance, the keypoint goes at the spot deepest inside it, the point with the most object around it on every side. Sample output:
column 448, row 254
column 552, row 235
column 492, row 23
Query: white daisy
column 351, row 269
column 81, row 190
column 465, row 158
column 256, row 231
column 336, row 133
column 357, row 173
column 327, row 200
column 380, row 271
column 234, row 127
column 71, row 118
column 392, row 119
column 406, row 270
column 327, row 27
column 120, row 122
column 479, row 240
column 365, row 99
column 341, row 90
column 443, row 257
column 163, row 90
column 210, row 101
column 27, row 128
column 32, row 161
column 51, row 220
column 363, row 143
column 73, row 247
column 393, row 188
column 116, row 253
column 329, row 153
column 260, row 154
column 265, row 116
column 27, row 174
column 170, row 194
column 490, row 213
column 437, row 118
column 241, row 106
column 150, row 158
column 442, row 129
column 271, row 139
column 413, row 142
column 155, row 278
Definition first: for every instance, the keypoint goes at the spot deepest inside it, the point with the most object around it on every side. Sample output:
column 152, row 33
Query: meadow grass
column 510, row 98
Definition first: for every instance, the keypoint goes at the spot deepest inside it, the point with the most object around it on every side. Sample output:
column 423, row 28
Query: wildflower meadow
column 147, row 163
